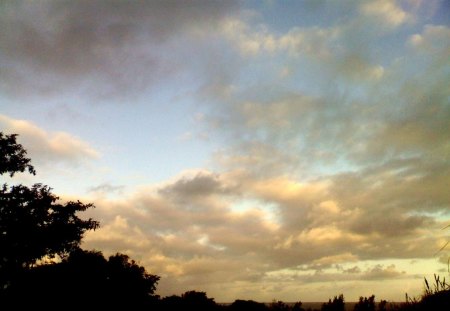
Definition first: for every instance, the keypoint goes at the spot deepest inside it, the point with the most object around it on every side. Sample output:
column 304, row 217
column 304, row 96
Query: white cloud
column 433, row 37
column 188, row 231
column 45, row 147
column 313, row 42
column 385, row 11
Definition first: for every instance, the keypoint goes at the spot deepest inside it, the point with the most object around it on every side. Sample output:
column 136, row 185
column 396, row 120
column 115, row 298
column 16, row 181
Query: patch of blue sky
column 282, row 16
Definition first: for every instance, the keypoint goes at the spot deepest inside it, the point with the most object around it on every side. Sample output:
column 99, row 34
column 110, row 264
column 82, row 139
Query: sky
column 289, row 150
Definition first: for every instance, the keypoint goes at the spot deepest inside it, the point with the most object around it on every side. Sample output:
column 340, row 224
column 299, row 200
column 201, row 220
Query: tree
column 298, row 306
column 338, row 304
column 86, row 280
column 12, row 156
column 248, row 305
column 128, row 279
column 194, row 300
column 190, row 300
column 33, row 223
column 365, row 304
column 279, row 306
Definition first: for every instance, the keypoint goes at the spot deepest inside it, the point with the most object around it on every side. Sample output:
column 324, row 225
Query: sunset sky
column 289, row 150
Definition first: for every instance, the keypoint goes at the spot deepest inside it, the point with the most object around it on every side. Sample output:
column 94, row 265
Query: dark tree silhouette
column 279, row 306
column 365, row 304
column 127, row 278
column 337, row 304
column 33, row 224
column 248, row 305
column 190, row 300
column 194, row 300
column 87, row 280
column 12, row 156
column 173, row 302
column 298, row 306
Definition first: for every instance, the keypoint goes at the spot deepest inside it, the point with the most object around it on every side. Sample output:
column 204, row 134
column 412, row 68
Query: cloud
column 250, row 41
column 388, row 11
column 119, row 234
column 46, row 148
column 97, row 47
column 433, row 41
column 345, row 49
column 343, row 160
column 379, row 272
column 195, row 232
column 106, row 188
column 202, row 184
column 399, row 111
column 331, row 274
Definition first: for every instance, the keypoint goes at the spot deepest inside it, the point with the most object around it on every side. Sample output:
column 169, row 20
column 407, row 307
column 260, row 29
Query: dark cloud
column 106, row 188
column 199, row 185
column 379, row 272
column 352, row 270
column 97, row 46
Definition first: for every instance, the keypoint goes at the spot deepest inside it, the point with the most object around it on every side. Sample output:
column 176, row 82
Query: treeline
column 86, row 280
column 42, row 266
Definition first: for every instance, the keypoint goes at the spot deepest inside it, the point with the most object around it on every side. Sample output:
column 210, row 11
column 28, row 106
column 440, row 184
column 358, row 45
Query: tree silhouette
column 337, row 304
column 298, row 306
column 190, row 300
column 127, row 279
column 365, row 304
column 12, row 156
column 279, row 306
column 33, row 224
column 85, row 278
column 248, row 305
column 198, row 301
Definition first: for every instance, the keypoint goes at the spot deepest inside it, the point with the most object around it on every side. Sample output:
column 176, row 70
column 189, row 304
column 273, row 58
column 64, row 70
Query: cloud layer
column 332, row 169
column 97, row 47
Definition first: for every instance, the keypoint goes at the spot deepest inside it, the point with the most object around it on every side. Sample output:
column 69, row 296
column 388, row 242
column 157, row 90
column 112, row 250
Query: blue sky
column 260, row 150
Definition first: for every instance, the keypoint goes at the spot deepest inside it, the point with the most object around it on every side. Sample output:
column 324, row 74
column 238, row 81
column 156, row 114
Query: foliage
column 382, row 305
column 33, row 223
column 298, row 306
column 279, row 306
column 365, row 304
column 190, row 300
column 438, row 286
column 247, row 305
column 337, row 304
column 12, row 156
column 89, row 277
column 436, row 297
